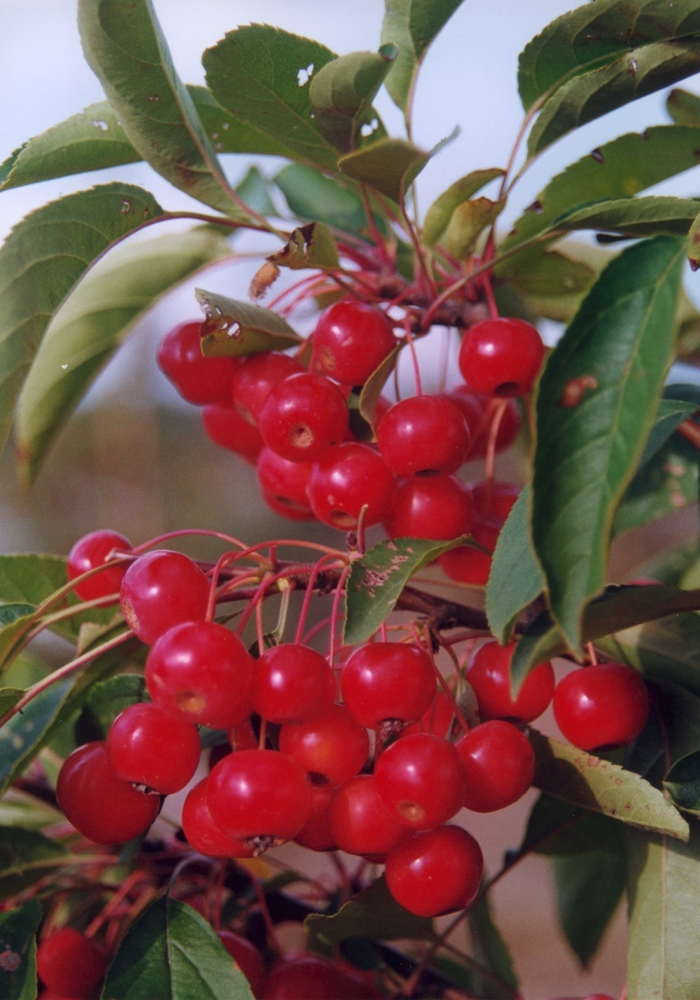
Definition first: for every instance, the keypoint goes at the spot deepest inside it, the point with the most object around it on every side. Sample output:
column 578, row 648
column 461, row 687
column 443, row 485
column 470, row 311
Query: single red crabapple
column 100, row 804
column 489, row 675
column 474, row 407
column 332, row 747
column 161, row 589
column 423, row 436
column 262, row 797
column 501, row 357
column 302, row 416
column 344, row 480
column 360, row 822
column 93, row 550
column 151, row 747
column 255, row 376
column 202, row 672
column 70, row 964
column 420, row 778
column 199, row 380
column 435, row 871
column 440, row 508
column 247, row 958
column 201, row 831
column 225, row 426
column 291, row 683
column 351, row 340
column 307, row 977
column 386, row 685
column 316, row 833
column 604, row 705
column 499, row 764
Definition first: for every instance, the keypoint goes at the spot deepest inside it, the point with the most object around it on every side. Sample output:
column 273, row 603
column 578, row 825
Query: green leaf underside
column 637, row 74
column 261, row 75
column 635, row 217
column 343, row 89
column 515, row 579
column 438, row 216
column 43, row 258
column 582, row 779
column 94, row 321
column 311, row 195
column 591, row 36
column 663, row 958
column 172, row 953
column 18, row 936
column 373, row 913
column 684, row 107
column 388, row 165
column 377, row 579
column 466, row 224
column 490, row 949
column 25, row 857
column 239, row 328
column 311, row 246
column 124, row 46
column 411, row 25
column 617, row 170
column 622, row 342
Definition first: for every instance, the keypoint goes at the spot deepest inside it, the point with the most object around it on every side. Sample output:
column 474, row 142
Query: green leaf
column 684, row 107
column 516, row 579
column 620, row 344
column 377, row 579
column 235, row 328
column 373, row 913
column 591, row 36
column 667, row 482
column 663, row 959
column 635, row 217
column 491, row 950
column 411, row 25
column 90, row 140
column 466, row 224
column 438, row 216
column 309, row 246
column 372, row 389
column 92, row 324
column 551, row 281
column 9, row 698
column 388, row 165
column 584, row 780
column 18, row 935
column 682, row 783
column 43, row 258
column 665, row 650
column 311, row 195
column 618, row 169
column 261, row 75
column 125, row 47
column 254, row 189
column 108, row 698
column 172, row 953
column 25, row 857
column 20, row 809
column 342, row 90
column 669, row 417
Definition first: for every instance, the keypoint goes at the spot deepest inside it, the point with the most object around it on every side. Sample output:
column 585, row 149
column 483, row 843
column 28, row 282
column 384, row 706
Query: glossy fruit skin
column 225, row 426
column 284, row 480
column 344, row 479
column 254, row 378
column 360, row 822
column 435, row 871
column 93, row 550
column 302, row 416
column 70, row 964
column 440, row 508
column 351, row 340
column 468, row 564
column 474, row 406
column 247, row 958
column 437, row 719
column 202, row 672
column 101, row 805
column 162, row 589
column 420, row 778
column 148, row 746
column 199, row 380
column 333, row 747
column 499, row 765
column 307, row 977
column 501, row 357
column 423, row 436
column 316, row 833
column 259, row 793
column 489, row 674
column 605, row 705
column 387, row 681
column 201, row 831
column 291, row 683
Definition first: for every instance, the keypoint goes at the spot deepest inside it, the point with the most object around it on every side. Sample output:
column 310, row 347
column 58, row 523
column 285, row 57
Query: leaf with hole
column 236, row 329
column 310, row 246
column 596, row 402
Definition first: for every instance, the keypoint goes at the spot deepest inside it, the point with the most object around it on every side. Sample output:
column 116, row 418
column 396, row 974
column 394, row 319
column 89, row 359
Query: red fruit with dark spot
column 420, row 778
column 302, row 416
column 501, row 357
column 344, row 480
column 423, row 436
column 386, row 685
column 332, row 747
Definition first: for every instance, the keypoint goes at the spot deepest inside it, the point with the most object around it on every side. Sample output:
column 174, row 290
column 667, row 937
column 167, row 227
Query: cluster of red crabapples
column 316, row 456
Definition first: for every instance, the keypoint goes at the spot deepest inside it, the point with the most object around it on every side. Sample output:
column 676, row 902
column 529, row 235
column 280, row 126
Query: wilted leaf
column 342, row 90
column 389, row 165
column 309, row 246
column 467, row 222
column 235, row 328
column 440, row 212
